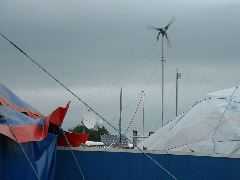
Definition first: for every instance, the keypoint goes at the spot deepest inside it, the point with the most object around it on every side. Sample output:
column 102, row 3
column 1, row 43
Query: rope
column 108, row 147
column 215, row 130
column 222, row 119
column 24, row 152
column 56, row 80
column 161, row 167
column 84, row 103
column 136, row 110
column 74, row 156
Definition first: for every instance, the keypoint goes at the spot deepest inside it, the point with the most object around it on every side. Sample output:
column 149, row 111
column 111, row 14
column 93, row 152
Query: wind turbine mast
column 120, row 119
column 178, row 76
column 163, row 32
column 162, row 61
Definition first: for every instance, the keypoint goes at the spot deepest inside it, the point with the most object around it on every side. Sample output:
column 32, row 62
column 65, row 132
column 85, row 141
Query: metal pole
column 120, row 119
column 143, row 118
column 176, row 92
column 178, row 76
column 162, row 59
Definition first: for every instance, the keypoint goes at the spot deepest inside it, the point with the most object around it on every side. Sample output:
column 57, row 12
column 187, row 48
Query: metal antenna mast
column 163, row 32
column 120, row 119
column 178, row 76
column 143, row 115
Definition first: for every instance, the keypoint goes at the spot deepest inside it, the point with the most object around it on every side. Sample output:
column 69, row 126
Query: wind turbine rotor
column 168, row 40
column 154, row 28
column 169, row 24
column 163, row 31
column 158, row 35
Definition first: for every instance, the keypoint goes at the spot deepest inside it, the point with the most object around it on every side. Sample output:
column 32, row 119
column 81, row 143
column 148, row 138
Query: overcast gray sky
column 96, row 47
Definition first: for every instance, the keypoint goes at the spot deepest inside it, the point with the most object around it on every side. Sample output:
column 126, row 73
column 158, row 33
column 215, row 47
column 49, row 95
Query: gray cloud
column 101, row 46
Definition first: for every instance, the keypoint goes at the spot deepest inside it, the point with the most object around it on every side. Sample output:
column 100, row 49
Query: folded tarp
column 27, row 139
column 211, row 126
column 21, row 122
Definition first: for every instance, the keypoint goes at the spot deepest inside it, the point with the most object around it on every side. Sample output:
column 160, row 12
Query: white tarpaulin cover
column 211, row 126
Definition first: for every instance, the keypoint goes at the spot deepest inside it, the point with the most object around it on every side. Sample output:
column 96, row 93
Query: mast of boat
column 120, row 119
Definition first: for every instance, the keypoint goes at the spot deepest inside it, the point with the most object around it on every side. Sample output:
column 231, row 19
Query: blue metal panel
column 135, row 166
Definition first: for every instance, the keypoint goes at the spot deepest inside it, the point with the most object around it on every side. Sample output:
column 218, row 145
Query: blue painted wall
column 135, row 166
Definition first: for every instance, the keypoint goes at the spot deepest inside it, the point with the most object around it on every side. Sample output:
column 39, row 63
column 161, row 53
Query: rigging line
column 108, row 147
column 180, row 146
column 83, row 102
column 160, row 166
column 58, row 81
column 74, row 156
column 182, row 115
column 135, row 112
column 215, row 129
column 222, row 119
column 24, row 153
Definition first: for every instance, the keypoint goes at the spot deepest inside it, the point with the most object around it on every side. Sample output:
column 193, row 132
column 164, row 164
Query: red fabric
column 34, row 132
column 25, row 133
column 57, row 116
column 29, row 113
column 74, row 139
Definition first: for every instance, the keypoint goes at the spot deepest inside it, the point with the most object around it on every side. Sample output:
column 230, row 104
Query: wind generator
column 163, row 33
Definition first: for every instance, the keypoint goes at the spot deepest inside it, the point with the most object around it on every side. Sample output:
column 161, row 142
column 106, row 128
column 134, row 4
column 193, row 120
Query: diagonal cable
column 74, row 156
column 84, row 103
column 222, row 118
column 24, row 153
column 56, row 80
column 134, row 113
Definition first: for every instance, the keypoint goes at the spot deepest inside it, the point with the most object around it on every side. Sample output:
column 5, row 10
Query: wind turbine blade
column 168, row 41
column 153, row 28
column 158, row 35
column 169, row 24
